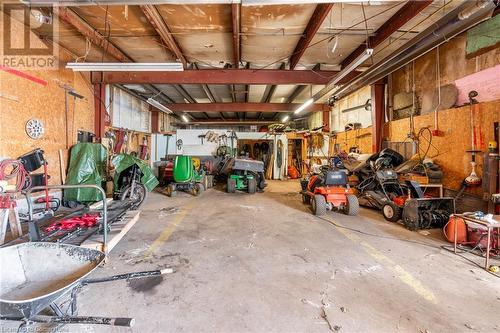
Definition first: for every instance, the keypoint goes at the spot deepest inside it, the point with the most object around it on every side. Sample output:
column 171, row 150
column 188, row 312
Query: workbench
column 487, row 225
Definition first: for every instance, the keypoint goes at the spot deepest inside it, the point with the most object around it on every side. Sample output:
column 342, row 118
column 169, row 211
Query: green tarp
column 87, row 165
column 123, row 161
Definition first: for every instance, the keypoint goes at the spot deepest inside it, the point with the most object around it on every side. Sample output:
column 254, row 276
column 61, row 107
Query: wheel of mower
column 198, row 189
column 171, row 192
column 231, row 185
column 252, row 186
column 391, row 212
column 352, row 208
column 319, row 205
column 306, row 199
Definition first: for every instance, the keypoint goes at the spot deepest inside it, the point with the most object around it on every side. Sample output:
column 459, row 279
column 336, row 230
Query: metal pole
column 57, row 187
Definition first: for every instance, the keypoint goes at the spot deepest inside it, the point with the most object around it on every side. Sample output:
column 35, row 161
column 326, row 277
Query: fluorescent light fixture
column 352, row 66
column 185, row 118
column 285, row 119
column 125, row 67
column 304, row 106
column 158, row 105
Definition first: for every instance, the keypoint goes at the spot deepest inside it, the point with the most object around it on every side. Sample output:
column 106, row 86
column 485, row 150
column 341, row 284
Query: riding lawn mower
column 329, row 190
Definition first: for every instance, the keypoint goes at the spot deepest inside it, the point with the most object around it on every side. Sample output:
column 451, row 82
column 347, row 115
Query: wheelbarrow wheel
column 252, row 186
column 231, row 185
column 198, row 189
column 170, row 190
column 352, row 207
column 319, row 205
column 391, row 212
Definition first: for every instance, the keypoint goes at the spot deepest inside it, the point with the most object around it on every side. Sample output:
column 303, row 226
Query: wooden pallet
column 118, row 230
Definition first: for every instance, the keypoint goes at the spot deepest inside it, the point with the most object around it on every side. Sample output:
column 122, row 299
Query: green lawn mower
column 246, row 175
column 186, row 177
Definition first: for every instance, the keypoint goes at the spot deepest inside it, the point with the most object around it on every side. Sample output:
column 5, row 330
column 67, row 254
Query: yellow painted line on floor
column 405, row 276
column 169, row 230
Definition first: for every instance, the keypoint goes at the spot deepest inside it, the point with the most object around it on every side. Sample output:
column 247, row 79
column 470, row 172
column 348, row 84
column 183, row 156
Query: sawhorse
column 9, row 215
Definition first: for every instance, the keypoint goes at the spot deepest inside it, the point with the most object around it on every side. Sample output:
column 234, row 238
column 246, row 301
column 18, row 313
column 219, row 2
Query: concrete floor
column 264, row 263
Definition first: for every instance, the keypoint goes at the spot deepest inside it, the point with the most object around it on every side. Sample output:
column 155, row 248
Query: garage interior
column 250, row 166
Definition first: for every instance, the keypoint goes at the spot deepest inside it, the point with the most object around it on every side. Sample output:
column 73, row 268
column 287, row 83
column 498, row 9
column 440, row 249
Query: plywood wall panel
column 47, row 104
column 451, row 147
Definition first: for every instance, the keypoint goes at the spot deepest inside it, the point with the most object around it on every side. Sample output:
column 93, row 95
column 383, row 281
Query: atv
column 330, row 190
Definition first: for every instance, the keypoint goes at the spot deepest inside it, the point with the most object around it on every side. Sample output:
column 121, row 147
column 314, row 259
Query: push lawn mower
column 330, row 190
column 186, row 177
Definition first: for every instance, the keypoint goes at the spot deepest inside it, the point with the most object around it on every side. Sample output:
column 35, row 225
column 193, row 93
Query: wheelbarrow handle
column 90, row 320
column 127, row 276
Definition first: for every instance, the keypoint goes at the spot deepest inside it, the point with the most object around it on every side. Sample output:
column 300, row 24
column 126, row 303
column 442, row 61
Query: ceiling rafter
column 157, row 22
column 313, row 26
column 242, row 107
column 70, row 17
column 95, row 37
column 268, row 94
column 400, row 18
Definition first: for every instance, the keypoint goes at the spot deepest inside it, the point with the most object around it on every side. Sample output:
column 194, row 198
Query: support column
column 326, row 120
column 378, row 114
column 99, row 109
column 155, row 120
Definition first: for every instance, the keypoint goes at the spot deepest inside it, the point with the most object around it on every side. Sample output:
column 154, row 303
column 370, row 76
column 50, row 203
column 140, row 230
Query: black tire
column 352, row 208
column 231, row 185
column 319, row 205
column 391, row 212
column 171, row 192
column 138, row 197
column 306, row 199
column 252, row 186
column 198, row 189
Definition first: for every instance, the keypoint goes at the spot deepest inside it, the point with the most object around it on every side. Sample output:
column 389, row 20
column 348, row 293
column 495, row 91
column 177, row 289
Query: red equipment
column 330, row 191
column 84, row 221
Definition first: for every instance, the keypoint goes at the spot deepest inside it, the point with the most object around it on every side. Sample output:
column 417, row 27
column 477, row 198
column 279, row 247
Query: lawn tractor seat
column 335, row 178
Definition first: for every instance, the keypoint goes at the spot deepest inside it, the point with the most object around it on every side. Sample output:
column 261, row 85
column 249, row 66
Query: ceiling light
column 352, row 66
column 185, row 118
column 305, row 105
column 285, row 119
column 124, row 67
column 158, row 105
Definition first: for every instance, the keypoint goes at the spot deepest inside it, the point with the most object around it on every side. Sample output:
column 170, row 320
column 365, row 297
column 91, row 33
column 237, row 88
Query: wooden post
column 99, row 109
column 378, row 114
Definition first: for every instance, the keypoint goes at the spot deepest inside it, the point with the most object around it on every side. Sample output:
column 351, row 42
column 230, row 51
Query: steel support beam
column 99, row 110
column 70, row 17
column 314, row 24
column 402, row 16
column 378, row 114
column 228, row 122
column 161, row 28
column 242, row 107
column 235, row 14
column 219, row 76
column 299, row 89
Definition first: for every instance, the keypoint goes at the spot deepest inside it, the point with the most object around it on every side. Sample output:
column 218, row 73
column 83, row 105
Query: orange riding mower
column 329, row 191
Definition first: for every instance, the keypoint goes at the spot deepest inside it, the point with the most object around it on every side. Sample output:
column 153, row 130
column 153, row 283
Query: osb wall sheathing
column 451, row 147
column 361, row 138
column 27, row 100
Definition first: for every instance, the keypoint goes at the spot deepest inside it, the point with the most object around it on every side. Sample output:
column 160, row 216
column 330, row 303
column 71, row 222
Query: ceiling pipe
column 449, row 26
